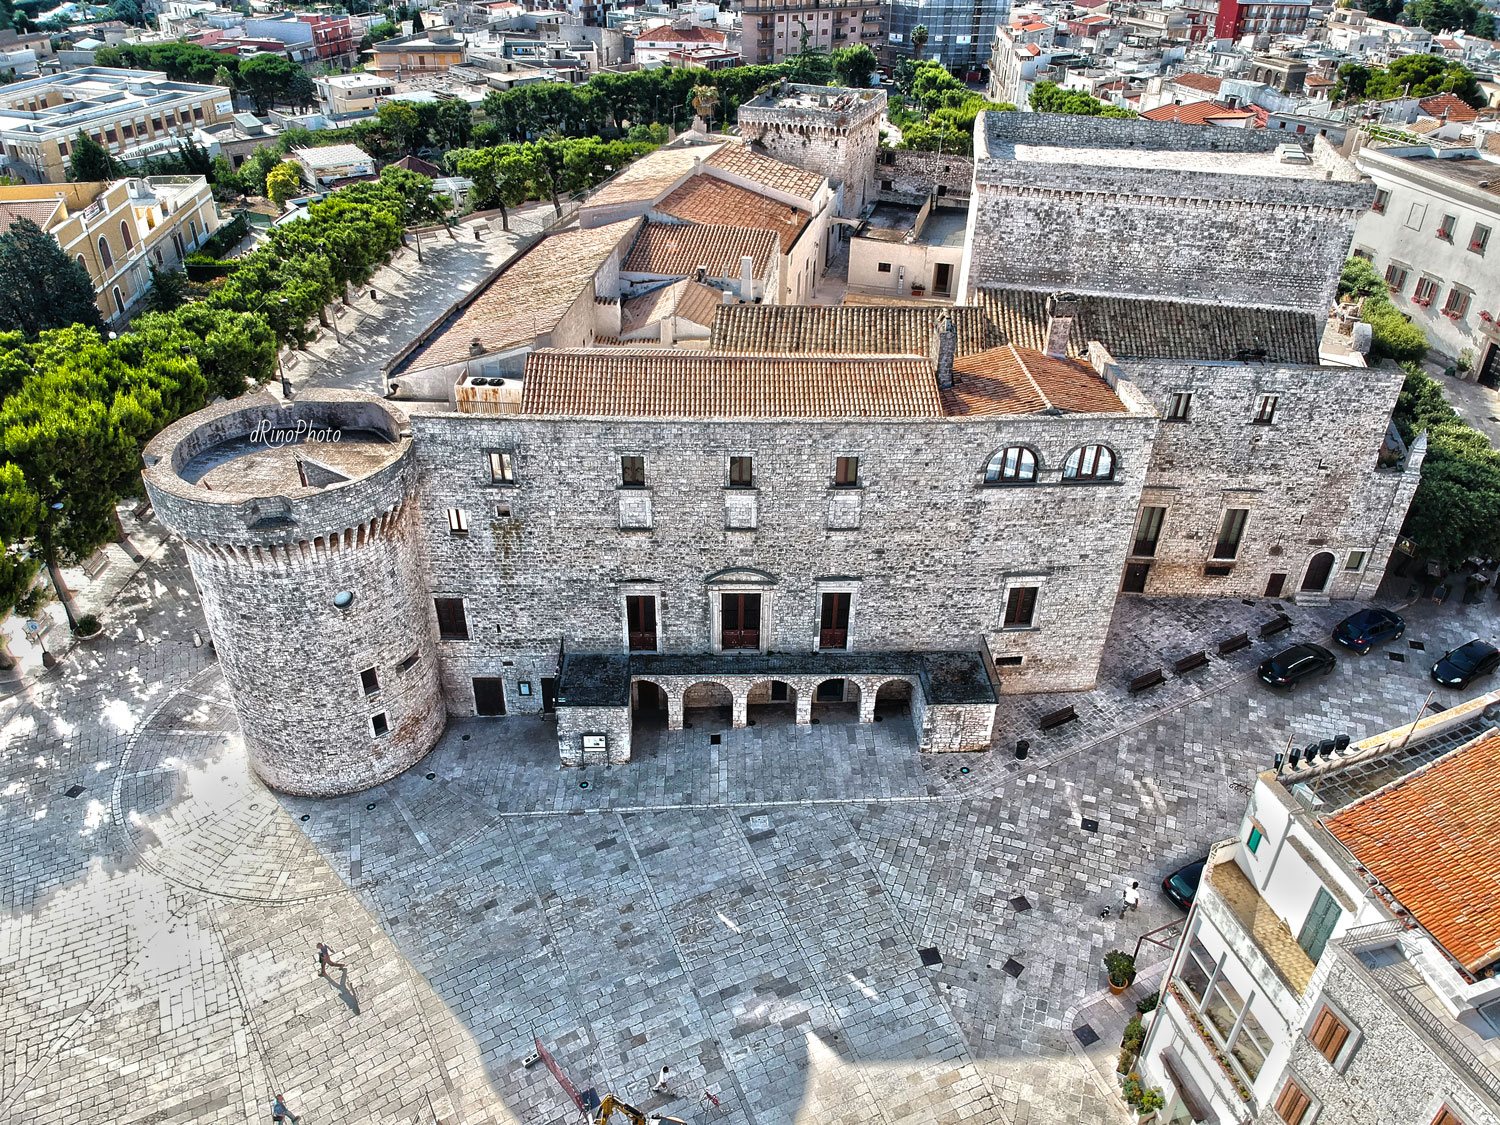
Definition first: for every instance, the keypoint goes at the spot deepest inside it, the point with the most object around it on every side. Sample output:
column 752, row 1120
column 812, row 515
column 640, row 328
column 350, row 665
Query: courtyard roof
column 686, row 299
column 1429, row 838
column 846, row 329
column 652, row 383
column 1011, row 380
column 680, row 249
column 1153, row 329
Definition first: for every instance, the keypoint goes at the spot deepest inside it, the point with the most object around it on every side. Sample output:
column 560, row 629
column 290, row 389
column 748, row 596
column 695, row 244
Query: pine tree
column 40, row 286
column 90, row 162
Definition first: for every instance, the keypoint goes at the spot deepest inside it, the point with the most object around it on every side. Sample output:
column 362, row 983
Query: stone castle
column 908, row 507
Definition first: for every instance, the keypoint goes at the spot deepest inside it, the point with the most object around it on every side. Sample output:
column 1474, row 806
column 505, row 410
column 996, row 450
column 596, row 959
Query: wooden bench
column 1234, row 643
column 1190, row 661
column 1275, row 625
column 96, row 564
column 1057, row 718
column 1147, row 680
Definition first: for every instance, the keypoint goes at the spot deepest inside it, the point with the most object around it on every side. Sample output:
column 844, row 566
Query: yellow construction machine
column 612, row 1105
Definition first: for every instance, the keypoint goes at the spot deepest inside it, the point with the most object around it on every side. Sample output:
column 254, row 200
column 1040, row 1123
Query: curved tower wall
column 269, row 569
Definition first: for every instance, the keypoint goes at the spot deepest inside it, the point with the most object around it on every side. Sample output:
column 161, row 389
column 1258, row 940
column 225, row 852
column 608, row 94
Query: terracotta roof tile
column 678, row 249
column 525, row 301
column 686, row 299
column 1196, row 113
column 657, row 383
column 39, row 211
column 1448, row 106
column 1430, row 839
column 681, row 35
column 648, row 178
column 708, row 199
column 1151, row 329
column 1010, row 380
column 1204, row 83
column 846, row 329
column 740, row 160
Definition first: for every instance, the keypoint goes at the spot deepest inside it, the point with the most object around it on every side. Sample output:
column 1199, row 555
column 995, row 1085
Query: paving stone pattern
column 750, row 913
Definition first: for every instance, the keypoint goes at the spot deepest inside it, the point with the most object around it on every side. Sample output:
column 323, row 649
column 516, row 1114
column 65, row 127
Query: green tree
column 168, row 289
column 234, row 350
column 90, row 162
column 812, row 66
column 1048, row 97
column 918, row 40
column 283, row 182
column 267, row 79
column 1449, row 15
column 1416, row 76
column 20, row 516
column 40, row 286
column 704, row 100
column 399, row 121
column 1393, row 334
column 453, row 125
column 224, row 77
column 300, row 91
column 854, row 66
column 417, row 26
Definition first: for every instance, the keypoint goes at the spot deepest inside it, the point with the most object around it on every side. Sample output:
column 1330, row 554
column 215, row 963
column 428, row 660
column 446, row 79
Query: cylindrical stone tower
column 300, row 521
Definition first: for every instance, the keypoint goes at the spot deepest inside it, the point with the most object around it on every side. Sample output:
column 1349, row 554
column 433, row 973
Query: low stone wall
column 575, row 723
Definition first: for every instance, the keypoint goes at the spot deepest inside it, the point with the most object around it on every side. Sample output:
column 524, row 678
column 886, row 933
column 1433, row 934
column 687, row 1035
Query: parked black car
column 1466, row 663
column 1292, row 665
column 1182, row 885
column 1364, row 630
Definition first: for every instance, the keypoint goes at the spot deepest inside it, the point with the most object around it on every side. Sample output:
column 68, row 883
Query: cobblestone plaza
column 815, row 925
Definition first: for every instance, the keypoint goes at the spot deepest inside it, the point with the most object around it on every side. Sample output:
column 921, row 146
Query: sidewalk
column 95, row 585
column 1098, row 1024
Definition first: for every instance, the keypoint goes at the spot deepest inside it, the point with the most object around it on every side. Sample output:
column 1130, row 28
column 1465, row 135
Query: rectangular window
column 502, row 467
column 741, row 472
column 1020, row 607
column 1446, row 1116
column 640, row 622
column 1382, row 201
column 1253, row 840
column 1395, row 277
column 453, row 622
column 1148, row 530
column 1231, row 531
column 1328, row 1034
column 632, row 471
column 883, row 267
column 1177, row 409
column 409, row 663
column 1196, row 971
column 458, row 521
column 379, row 725
column 833, row 619
column 1457, row 303
column 1479, row 240
column 369, row 681
column 846, row 472
column 1356, row 560
column 1265, row 413
column 1426, row 291
column 1416, row 216
column 739, row 621
column 1293, row 1103
column 1445, row 228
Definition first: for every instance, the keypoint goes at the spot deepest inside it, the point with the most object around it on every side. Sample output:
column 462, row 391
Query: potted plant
column 1147, row 1003
column 87, row 628
column 917, row 289
column 1121, row 969
column 1149, row 1102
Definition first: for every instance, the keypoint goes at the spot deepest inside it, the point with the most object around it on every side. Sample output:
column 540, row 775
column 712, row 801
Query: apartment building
column 1341, row 963
column 117, row 231
column 774, row 29
column 126, row 111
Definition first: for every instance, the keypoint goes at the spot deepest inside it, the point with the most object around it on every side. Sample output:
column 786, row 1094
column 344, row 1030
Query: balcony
column 1471, row 1042
column 1273, row 938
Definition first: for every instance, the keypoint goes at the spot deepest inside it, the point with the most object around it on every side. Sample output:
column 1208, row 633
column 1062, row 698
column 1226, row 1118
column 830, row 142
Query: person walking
column 1132, row 898
column 663, row 1081
column 279, row 1111
column 326, row 961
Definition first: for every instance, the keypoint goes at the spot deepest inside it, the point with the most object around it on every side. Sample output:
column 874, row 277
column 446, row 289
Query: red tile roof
column 1011, row 380
column 681, row 35
column 708, row 199
column 1430, row 839
column 1450, row 107
column 39, row 211
column 1197, row 113
column 739, row 160
column 679, row 249
column 656, row 383
column 1203, row 83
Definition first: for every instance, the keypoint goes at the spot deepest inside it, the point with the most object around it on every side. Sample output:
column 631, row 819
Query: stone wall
column 1224, row 227
column 925, row 547
column 908, row 172
column 946, row 727
column 573, row 723
column 838, row 141
column 1395, row 1073
column 1310, row 479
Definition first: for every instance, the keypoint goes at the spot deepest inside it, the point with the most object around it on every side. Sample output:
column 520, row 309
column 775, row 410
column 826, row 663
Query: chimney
column 747, row 278
column 1062, row 310
column 944, row 348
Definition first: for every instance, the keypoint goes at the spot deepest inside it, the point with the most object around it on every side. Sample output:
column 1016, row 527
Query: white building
column 1434, row 232
column 1339, row 963
column 323, row 166
column 345, row 95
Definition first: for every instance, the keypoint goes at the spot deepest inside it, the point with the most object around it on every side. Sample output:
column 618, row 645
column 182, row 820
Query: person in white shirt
column 1132, row 897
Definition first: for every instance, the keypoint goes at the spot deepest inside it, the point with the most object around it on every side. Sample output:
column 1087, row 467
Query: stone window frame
column 1427, row 289
column 1403, row 275
column 1382, row 201
column 1266, row 405
column 1479, row 239
column 1035, row 582
column 1364, row 554
column 380, row 724
column 1239, row 540
column 1179, row 406
column 1353, row 1038
column 1459, row 301
column 640, row 589
column 1309, row 1113
column 490, row 453
column 458, row 522
column 626, row 454
column 992, row 475
column 821, row 586
column 463, row 604
column 847, row 455
column 729, row 460
column 1082, row 451
column 369, row 676
column 764, row 586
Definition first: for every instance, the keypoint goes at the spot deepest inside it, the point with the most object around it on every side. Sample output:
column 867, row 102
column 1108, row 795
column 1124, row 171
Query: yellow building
column 416, row 54
column 118, row 230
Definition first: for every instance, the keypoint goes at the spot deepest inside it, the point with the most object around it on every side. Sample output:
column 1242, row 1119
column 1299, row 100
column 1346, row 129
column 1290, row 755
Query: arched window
column 126, row 235
column 84, row 263
column 119, row 302
column 1014, row 464
column 105, row 256
column 1090, row 462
